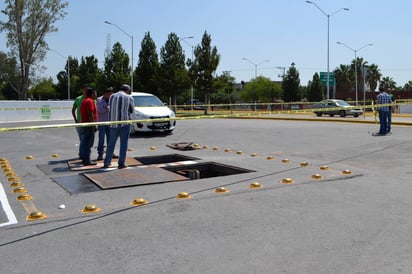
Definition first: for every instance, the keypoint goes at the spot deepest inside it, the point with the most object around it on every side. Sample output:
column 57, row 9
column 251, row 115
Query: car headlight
column 140, row 116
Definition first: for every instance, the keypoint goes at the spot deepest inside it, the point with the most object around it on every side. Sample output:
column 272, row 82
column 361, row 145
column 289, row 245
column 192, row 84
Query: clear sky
column 281, row 31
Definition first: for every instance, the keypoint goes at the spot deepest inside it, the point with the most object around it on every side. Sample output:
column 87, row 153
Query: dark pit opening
column 163, row 159
column 206, row 170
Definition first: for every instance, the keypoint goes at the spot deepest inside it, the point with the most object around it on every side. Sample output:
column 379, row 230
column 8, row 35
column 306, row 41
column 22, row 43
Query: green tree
column 290, row 85
column 116, row 67
column 225, row 87
column 29, row 21
column 146, row 73
column 408, row 86
column 373, row 76
column 174, row 76
column 343, row 77
column 202, row 68
column 271, row 91
column 88, row 71
column 359, row 63
column 315, row 89
column 261, row 89
column 62, row 81
column 44, row 90
column 8, row 74
column 387, row 82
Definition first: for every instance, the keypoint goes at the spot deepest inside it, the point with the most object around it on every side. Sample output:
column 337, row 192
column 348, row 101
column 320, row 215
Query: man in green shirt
column 77, row 115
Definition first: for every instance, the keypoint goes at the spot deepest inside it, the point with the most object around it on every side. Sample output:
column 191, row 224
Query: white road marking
column 6, row 207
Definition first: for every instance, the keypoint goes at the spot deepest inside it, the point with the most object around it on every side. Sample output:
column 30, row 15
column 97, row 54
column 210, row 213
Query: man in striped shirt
column 121, row 106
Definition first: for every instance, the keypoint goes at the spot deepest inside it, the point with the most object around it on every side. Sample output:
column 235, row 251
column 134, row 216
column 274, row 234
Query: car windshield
column 342, row 103
column 147, row 101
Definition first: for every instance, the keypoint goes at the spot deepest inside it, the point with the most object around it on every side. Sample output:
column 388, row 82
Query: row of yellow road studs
column 19, row 189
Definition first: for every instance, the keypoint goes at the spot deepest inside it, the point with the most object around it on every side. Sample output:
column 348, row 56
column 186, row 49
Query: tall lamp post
column 356, row 65
column 191, row 85
column 68, row 70
column 256, row 65
column 328, row 16
column 131, row 65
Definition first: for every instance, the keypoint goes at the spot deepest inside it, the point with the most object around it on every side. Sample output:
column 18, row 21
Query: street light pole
column 68, row 70
column 256, row 65
column 131, row 65
column 328, row 17
column 356, row 65
column 191, row 85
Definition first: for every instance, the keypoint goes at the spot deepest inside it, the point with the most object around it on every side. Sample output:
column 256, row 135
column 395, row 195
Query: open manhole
column 155, row 170
column 206, row 170
column 163, row 159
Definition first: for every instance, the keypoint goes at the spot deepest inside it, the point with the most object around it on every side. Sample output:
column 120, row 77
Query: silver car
column 333, row 107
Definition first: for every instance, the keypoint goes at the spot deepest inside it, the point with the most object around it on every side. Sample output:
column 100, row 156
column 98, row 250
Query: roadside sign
column 324, row 78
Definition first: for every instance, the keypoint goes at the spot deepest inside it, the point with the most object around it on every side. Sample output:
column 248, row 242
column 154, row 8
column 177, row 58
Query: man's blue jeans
column 383, row 120
column 104, row 132
column 122, row 132
column 87, row 143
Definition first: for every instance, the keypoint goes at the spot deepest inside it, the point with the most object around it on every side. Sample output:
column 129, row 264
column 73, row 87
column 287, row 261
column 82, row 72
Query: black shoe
column 100, row 157
column 106, row 166
column 91, row 163
column 122, row 166
column 115, row 156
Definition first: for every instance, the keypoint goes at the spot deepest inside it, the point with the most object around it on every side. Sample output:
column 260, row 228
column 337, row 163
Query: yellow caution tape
column 214, row 116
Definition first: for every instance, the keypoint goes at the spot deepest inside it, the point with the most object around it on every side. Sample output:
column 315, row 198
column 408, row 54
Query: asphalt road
column 347, row 211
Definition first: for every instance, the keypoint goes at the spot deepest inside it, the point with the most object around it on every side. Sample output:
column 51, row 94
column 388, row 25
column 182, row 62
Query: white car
column 148, row 106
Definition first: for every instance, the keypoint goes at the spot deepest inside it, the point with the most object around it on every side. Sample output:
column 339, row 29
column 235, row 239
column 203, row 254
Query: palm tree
column 387, row 82
column 408, row 86
column 343, row 78
column 373, row 76
column 359, row 63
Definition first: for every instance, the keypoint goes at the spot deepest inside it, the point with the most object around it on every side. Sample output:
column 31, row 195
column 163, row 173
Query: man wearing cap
column 121, row 106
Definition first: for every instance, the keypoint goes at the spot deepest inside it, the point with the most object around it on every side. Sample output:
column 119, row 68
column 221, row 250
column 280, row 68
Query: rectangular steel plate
column 133, row 177
column 76, row 165
column 76, row 184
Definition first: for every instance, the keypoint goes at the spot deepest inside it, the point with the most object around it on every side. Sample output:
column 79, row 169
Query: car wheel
column 342, row 113
column 331, row 114
column 318, row 114
column 355, row 115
